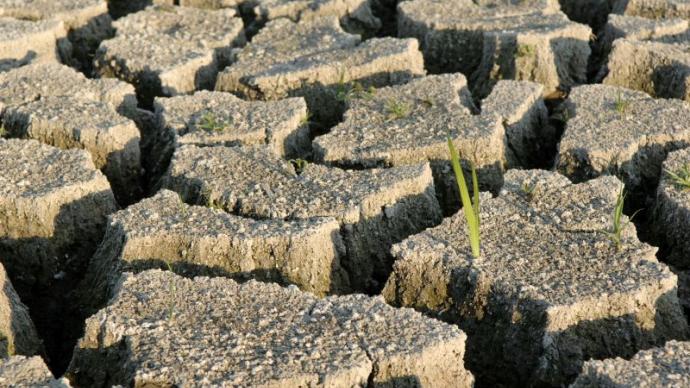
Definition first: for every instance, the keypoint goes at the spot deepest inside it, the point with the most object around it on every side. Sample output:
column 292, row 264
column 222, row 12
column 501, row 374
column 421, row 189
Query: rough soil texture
column 667, row 366
column 530, row 41
column 550, row 290
column 146, row 336
column 164, row 50
column 616, row 130
column 111, row 139
column 163, row 231
column 23, row 42
column 219, row 118
column 375, row 208
column 672, row 212
column 17, row 332
column 316, row 59
column 410, row 124
column 20, row 371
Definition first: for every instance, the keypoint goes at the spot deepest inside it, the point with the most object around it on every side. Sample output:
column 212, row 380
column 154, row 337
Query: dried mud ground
column 260, row 193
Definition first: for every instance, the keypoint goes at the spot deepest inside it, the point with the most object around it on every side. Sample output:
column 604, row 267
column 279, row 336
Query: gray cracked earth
column 204, row 193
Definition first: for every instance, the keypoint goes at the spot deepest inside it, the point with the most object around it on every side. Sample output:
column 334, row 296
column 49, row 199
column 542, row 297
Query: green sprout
column 525, row 50
column 621, row 104
column 172, row 289
column 299, row 164
column 470, row 208
column 359, row 91
column 397, row 109
column 342, row 88
column 528, row 190
column 209, row 122
column 617, row 226
column 680, row 177
column 3, row 130
column 306, row 119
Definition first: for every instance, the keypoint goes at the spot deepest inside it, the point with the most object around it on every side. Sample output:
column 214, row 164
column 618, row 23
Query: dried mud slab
column 218, row 118
column 111, row 139
column 17, row 331
column 549, row 291
column 653, row 56
column 667, row 366
column 53, row 207
column 145, row 337
column 20, row 371
column 672, row 211
column 165, row 50
column 86, row 22
column 195, row 240
column 317, row 60
column 616, row 130
column 23, row 42
column 354, row 15
column 409, row 124
column 30, row 83
column 489, row 41
column 374, row 208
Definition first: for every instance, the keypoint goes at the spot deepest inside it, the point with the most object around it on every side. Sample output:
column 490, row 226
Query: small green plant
column 299, row 164
column 470, row 207
column 680, row 177
column 525, row 50
column 397, row 109
column 208, row 122
column 306, row 119
column 530, row 191
column 621, row 104
column 3, row 131
column 614, row 234
column 172, row 290
column 359, row 91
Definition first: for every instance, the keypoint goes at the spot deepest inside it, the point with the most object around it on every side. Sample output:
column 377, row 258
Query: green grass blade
column 468, row 208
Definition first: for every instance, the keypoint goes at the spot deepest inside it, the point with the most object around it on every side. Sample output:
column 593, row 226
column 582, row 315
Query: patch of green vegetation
column 470, row 207
column 680, row 177
column 397, row 109
column 525, row 50
column 359, row 91
column 208, row 122
column 299, row 164
column 621, row 104
column 3, row 130
column 306, row 119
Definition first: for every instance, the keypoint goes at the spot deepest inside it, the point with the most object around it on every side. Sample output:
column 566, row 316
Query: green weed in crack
column 680, row 177
column 470, row 207
column 621, row 104
column 299, row 164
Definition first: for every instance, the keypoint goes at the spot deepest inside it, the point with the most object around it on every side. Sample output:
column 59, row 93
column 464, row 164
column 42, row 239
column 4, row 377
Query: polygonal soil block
column 53, row 208
column 672, row 212
column 20, row 371
column 636, row 28
column 550, row 289
column 23, row 42
column 30, row 83
column 374, row 208
column 86, row 21
column 667, row 366
column 167, row 50
column 111, row 139
column 163, row 330
column 660, row 67
column 217, row 118
column 319, row 61
column 195, row 240
column 408, row 124
column 533, row 41
column 653, row 9
column 616, row 130
column 355, row 15
column 17, row 332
